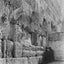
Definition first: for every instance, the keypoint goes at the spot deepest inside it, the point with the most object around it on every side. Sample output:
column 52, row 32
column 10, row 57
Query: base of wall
column 23, row 60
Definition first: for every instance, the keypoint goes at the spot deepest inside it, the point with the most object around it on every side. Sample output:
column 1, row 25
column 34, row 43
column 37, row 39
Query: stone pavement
column 57, row 62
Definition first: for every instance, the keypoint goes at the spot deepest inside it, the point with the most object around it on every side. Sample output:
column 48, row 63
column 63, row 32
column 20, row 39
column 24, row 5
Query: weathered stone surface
column 9, row 48
column 33, row 60
column 2, row 61
column 40, row 59
column 39, row 52
column 27, row 7
column 29, row 53
column 22, row 60
column 58, row 47
column 18, row 50
column 10, row 61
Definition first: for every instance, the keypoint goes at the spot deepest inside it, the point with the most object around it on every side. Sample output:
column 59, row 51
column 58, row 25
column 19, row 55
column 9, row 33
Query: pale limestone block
column 40, row 59
column 18, row 50
column 33, row 60
column 2, row 61
column 22, row 60
column 29, row 53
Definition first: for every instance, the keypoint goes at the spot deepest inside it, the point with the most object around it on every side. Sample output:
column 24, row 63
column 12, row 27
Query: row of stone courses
column 23, row 60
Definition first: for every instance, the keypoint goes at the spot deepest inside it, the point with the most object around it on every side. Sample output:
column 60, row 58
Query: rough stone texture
column 9, row 48
column 57, row 62
column 44, row 10
column 2, row 61
column 22, row 60
column 39, row 58
column 29, row 53
column 33, row 60
column 39, row 52
column 18, row 50
column 58, row 48
column 17, row 60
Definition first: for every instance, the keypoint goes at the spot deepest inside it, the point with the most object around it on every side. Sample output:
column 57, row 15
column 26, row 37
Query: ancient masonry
column 24, row 29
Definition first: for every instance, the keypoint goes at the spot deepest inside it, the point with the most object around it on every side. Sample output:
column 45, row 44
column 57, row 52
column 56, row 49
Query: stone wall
column 23, row 60
column 27, row 56
column 58, row 47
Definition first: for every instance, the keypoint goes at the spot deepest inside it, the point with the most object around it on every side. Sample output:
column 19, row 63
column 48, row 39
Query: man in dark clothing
column 48, row 55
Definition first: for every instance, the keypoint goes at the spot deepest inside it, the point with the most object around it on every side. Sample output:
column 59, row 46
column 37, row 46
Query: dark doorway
column 34, row 38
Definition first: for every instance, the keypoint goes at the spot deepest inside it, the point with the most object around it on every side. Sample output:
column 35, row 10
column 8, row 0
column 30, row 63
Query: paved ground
column 57, row 62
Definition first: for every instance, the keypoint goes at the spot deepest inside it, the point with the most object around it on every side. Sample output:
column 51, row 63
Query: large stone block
column 9, row 48
column 39, row 53
column 10, row 61
column 22, row 60
column 18, row 50
column 2, row 61
column 29, row 53
column 25, row 60
column 40, row 59
column 33, row 60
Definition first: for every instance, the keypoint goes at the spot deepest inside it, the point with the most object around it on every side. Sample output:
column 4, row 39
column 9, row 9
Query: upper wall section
column 45, row 8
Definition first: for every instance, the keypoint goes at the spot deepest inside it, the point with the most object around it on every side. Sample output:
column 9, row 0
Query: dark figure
column 51, row 54
column 48, row 56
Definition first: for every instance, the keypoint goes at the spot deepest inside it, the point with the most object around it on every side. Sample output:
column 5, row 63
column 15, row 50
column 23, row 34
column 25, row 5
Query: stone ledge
column 17, row 60
column 22, row 60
